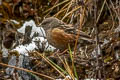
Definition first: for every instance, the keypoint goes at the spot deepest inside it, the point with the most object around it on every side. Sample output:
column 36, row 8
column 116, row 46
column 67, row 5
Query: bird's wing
column 61, row 36
column 69, row 29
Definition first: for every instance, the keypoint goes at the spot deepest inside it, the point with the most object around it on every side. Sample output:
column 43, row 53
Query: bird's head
column 51, row 22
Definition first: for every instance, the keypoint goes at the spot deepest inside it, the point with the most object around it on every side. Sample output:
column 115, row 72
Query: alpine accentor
column 60, row 34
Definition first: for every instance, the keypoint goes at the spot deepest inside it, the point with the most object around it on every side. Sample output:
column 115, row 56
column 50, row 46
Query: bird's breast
column 60, row 39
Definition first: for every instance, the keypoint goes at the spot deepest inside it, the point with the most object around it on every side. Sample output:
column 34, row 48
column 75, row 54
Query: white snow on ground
column 32, row 46
column 24, row 49
column 43, row 40
column 35, row 29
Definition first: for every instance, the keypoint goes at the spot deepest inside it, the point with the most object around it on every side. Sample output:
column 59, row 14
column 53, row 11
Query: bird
column 61, row 35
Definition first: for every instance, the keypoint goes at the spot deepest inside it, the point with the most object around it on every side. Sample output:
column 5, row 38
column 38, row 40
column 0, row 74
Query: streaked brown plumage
column 60, row 34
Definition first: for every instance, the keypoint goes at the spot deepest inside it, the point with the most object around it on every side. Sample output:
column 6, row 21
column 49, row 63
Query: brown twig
column 26, row 70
